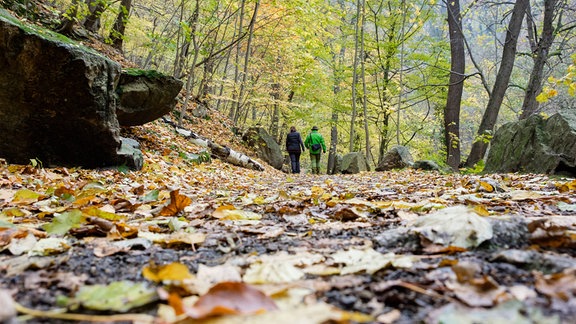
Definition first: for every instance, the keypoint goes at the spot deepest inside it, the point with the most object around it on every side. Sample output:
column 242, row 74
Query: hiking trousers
column 295, row 161
column 315, row 163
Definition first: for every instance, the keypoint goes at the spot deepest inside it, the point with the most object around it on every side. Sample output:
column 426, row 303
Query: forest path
column 386, row 246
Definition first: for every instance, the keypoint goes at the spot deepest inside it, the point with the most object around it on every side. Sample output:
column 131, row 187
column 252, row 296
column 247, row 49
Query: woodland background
column 436, row 76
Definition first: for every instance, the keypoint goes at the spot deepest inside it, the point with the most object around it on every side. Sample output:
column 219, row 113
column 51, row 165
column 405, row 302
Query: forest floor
column 215, row 243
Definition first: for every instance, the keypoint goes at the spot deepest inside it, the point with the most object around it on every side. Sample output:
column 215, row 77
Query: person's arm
column 307, row 142
column 323, row 144
column 301, row 142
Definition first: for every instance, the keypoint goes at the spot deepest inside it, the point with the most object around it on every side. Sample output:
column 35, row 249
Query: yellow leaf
column 487, row 187
column 481, row 210
column 97, row 212
column 542, row 97
column 229, row 212
column 173, row 271
column 25, row 196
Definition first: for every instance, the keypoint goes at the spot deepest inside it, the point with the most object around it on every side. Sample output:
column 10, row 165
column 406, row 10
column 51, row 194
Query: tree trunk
column 364, row 91
column 223, row 153
column 69, row 19
column 117, row 32
column 332, row 158
column 191, row 75
column 530, row 105
column 455, row 89
column 500, row 85
column 246, row 61
column 92, row 22
column 274, row 132
column 235, row 100
column 401, row 72
column 385, row 64
column 181, row 49
column 354, row 78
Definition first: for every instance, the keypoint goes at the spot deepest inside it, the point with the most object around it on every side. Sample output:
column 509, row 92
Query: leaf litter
column 180, row 241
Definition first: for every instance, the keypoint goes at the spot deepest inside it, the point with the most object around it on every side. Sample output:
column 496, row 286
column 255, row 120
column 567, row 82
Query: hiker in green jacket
column 315, row 144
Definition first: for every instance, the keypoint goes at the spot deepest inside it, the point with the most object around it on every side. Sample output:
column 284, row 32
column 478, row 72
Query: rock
column 265, row 146
column 397, row 157
column 509, row 232
column 426, row 165
column 353, row 163
column 57, row 99
column 535, row 145
column 546, row 262
column 397, row 240
column 145, row 96
column 130, row 154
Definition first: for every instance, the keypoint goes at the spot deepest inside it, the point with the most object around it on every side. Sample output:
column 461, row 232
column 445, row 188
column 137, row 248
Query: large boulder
column 265, row 146
column 353, row 163
column 57, row 99
column 535, row 145
column 145, row 96
column 426, row 165
column 398, row 157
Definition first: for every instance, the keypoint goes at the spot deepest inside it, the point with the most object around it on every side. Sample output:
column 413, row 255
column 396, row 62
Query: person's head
column 293, row 128
column 314, row 128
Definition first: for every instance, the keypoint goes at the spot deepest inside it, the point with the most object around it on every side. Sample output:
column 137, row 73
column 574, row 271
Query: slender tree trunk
column 92, row 22
column 117, row 32
column 235, row 100
column 455, row 89
column 385, row 64
column 181, row 50
column 490, row 116
column 530, row 105
column 246, row 60
column 401, row 73
column 364, row 91
column 355, row 77
column 69, row 19
column 338, row 58
column 226, row 65
column 191, row 75
column 274, row 132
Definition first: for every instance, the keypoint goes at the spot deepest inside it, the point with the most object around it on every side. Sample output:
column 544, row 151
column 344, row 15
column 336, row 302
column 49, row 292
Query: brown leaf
column 228, row 298
column 177, row 204
column 558, row 285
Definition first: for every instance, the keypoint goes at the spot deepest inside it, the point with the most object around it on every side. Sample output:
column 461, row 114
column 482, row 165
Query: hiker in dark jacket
column 295, row 147
column 315, row 144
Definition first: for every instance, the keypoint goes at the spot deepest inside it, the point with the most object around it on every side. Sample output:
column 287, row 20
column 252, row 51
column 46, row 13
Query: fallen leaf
column 558, row 285
column 173, row 271
column 228, row 298
column 272, row 272
column 26, row 196
column 119, row 296
column 454, row 226
column 229, row 212
column 367, row 260
column 207, row 277
column 177, row 204
column 62, row 223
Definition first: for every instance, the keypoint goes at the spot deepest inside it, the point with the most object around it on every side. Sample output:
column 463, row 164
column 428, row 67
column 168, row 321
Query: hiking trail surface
column 182, row 241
